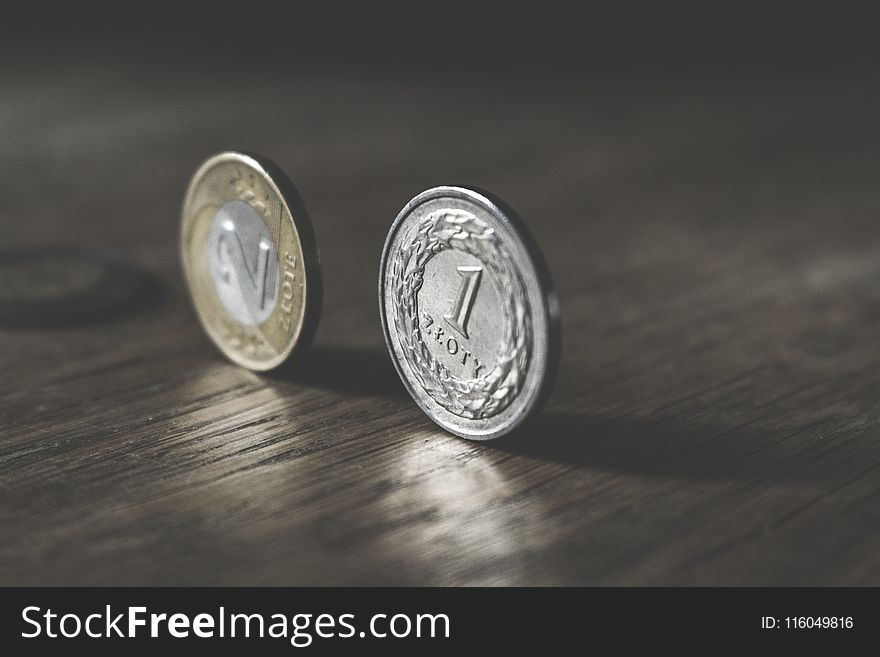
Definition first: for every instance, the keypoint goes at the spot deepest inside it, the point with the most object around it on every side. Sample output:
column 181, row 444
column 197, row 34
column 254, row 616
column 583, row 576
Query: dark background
column 555, row 39
column 702, row 180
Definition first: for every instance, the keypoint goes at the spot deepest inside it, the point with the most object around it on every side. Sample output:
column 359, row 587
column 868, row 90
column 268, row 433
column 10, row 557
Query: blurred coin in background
column 55, row 286
column 250, row 259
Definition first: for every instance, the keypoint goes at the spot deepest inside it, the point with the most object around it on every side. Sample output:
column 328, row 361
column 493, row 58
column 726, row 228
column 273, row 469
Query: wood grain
column 715, row 420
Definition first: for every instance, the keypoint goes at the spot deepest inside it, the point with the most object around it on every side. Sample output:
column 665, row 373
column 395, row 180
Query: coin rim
column 303, row 227
column 501, row 211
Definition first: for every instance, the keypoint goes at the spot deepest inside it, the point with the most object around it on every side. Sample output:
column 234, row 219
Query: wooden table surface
column 716, row 247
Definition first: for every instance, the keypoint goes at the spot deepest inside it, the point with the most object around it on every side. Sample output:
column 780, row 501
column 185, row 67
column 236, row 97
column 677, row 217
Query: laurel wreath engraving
column 491, row 393
column 244, row 184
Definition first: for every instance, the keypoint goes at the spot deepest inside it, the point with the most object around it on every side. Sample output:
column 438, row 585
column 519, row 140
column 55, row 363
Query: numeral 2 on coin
column 257, row 275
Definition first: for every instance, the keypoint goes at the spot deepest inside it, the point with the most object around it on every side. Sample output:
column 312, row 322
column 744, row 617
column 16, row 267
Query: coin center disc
column 243, row 262
column 461, row 318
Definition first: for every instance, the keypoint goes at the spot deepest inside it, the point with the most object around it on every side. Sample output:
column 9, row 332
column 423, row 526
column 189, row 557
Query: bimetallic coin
column 52, row 286
column 251, row 260
column 469, row 312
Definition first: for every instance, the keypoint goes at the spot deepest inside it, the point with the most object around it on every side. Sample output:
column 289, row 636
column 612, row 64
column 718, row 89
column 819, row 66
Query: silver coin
column 468, row 311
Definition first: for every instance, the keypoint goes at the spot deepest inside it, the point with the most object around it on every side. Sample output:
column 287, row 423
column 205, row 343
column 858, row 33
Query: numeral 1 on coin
column 461, row 312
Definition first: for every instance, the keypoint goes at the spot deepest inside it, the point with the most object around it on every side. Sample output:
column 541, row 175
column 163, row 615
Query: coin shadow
column 151, row 292
column 353, row 370
column 604, row 443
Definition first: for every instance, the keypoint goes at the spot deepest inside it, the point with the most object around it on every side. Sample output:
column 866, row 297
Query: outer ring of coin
column 236, row 176
column 470, row 408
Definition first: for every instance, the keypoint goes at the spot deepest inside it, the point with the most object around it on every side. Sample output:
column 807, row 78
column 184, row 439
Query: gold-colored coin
column 251, row 260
